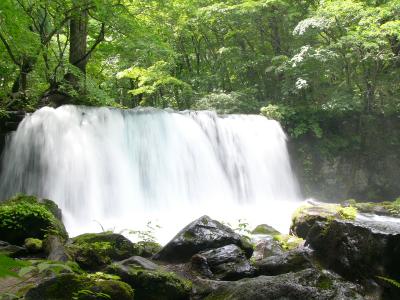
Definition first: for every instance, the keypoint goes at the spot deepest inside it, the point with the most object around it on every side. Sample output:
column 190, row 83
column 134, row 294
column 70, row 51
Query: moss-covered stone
column 265, row 229
column 33, row 245
column 288, row 242
column 386, row 208
column 94, row 251
column 73, row 286
column 23, row 217
column 153, row 285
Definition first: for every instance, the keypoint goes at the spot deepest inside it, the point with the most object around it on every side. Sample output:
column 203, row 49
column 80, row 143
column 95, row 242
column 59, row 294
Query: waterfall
column 123, row 168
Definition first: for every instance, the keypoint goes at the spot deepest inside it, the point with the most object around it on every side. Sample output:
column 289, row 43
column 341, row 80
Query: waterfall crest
column 121, row 166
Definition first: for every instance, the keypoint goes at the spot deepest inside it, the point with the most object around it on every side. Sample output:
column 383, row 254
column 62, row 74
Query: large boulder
column 285, row 262
column 355, row 245
column 94, row 251
column 73, row 286
column 200, row 235
column 224, row 263
column 25, row 217
column 309, row 284
column 150, row 284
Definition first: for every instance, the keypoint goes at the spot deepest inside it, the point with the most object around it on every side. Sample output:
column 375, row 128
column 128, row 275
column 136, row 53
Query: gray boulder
column 224, row 263
column 290, row 261
column 308, row 284
column 200, row 235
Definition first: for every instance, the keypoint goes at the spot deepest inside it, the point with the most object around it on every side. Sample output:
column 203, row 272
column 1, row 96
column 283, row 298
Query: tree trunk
column 78, row 39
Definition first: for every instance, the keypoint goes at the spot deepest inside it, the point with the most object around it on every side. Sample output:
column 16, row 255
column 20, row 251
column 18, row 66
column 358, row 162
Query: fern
column 390, row 280
column 9, row 265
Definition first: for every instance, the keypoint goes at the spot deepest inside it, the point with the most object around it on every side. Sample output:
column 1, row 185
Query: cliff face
column 356, row 157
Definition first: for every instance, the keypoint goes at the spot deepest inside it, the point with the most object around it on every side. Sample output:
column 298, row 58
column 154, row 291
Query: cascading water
column 123, row 168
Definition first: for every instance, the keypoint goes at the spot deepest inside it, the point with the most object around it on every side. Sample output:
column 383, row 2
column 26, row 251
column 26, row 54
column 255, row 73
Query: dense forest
column 233, row 56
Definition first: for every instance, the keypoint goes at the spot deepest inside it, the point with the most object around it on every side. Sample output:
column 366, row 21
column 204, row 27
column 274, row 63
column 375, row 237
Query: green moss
column 72, row 286
column 188, row 235
column 324, row 283
column 154, row 285
column 265, row 229
column 385, row 208
column 93, row 251
column 288, row 242
column 24, row 217
column 347, row 213
column 33, row 245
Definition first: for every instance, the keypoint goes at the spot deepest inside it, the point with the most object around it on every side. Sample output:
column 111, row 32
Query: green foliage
column 298, row 122
column 147, row 235
column 49, row 268
column 24, row 217
column 227, row 103
column 288, row 242
column 234, row 56
column 390, row 280
column 9, row 266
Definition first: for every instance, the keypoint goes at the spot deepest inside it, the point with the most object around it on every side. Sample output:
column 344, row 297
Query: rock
column 11, row 250
column 139, row 262
column 356, row 247
column 33, row 245
column 225, row 263
column 265, row 229
column 268, row 246
column 290, row 261
column 54, row 248
column 152, row 284
column 94, row 251
column 202, row 234
column 25, row 217
column 73, row 286
column 308, row 284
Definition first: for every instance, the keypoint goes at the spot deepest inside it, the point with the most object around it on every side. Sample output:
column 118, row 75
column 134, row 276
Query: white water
column 123, row 168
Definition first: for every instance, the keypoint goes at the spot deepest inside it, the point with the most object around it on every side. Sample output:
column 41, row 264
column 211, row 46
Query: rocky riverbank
column 347, row 251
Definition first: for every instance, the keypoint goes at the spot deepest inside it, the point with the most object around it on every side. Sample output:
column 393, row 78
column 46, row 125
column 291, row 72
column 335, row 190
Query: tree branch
column 3, row 39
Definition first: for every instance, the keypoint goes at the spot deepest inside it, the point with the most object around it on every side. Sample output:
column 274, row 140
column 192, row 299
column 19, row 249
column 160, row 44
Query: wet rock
column 139, row 262
column 290, row 261
column 308, row 284
column 11, row 250
column 202, row 234
column 54, row 248
column 266, row 247
column 357, row 248
column 226, row 263
column 73, row 286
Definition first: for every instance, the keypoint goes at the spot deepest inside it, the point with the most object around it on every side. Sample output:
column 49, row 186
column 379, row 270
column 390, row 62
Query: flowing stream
column 124, row 168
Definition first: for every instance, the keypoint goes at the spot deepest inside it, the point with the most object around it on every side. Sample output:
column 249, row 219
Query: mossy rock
column 23, row 217
column 73, row 286
column 153, row 285
column 265, row 229
column 33, row 245
column 386, row 208
column 94, row 251
column 288, row 242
